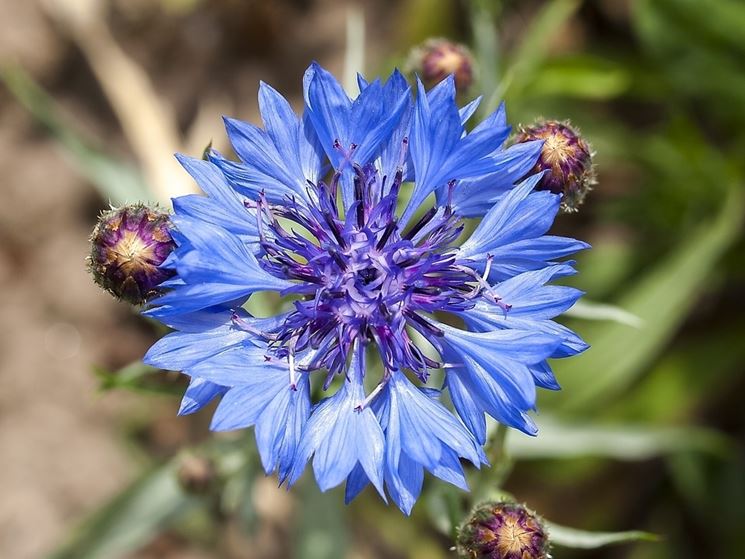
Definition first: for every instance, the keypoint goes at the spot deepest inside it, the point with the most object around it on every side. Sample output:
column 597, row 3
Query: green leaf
column 116, row 181
column 131, row 520
column 534, row 48
column 321, row 532
column 445, row 508
column 239, row 465
column 690, row 39
column 580, row 539
column 662, row 299
column 136, row 377
column 715, row 24
column 589, row 310
column 485, row 46
column 583, row 77
column 559, row 440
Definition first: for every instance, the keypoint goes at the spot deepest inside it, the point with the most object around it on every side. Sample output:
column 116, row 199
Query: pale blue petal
column 518, row 215
column 339, row 436
column 521, row 346
column 469, row 109
column 241, row 365
column 467, row 404
column 425, row 424
column 475, row 197
column 198, row 394
column 544, row 376
column 356, row 482
column 257, row 151
column 179, row 350
column 241, row 407
column 404, row 484
column 252, row 182
column 280, row 425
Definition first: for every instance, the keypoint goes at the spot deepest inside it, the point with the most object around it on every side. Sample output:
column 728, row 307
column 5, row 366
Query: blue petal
column 202, row 335
column 491, row 393
column 295, row 140
column 198, row 394
column 190, row 298
column 533, row 304
column 362, row 83
column 280, row 425
column 404, row 484
column 241, row 365
column 470, row 159
column 222, row 206
column 356, row 482
column 518, row 215
column 544, row 376
column 364, row 123
column 426, row 425
column 475, row 197
column 467, row 404
column 376, row 113
column 521, row 346
column 339, row 436
column 449, row 469
column 311, row 153
column 435, row 131
column 530, row 254
column 280, row 122
column 260, row 153
column 242, row 405
column 391, row 151
column 216, row 267
column 179, row 350
column 328, row 107
column 201, row 208
column 513, row 382
column 440, row 150
column 469, row 109
column 252, row 182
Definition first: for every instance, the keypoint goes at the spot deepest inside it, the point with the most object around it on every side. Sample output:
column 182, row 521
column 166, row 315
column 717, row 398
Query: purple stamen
column 363, row 280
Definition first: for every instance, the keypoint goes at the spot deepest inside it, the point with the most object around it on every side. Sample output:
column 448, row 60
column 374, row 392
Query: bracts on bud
column 567, row 159
column 128, row 245
column 502, row 530
column 435, row 59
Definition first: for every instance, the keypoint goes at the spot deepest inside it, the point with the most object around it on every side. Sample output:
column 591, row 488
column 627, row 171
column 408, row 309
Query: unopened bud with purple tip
column 567, row 159
column 436, row 59
column 502, row 530
column 128, row 245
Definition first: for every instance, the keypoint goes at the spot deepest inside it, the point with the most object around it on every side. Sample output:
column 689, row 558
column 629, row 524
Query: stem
column 491, row 479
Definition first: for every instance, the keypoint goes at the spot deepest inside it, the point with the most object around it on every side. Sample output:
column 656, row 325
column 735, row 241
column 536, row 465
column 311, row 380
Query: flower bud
column 127, row 246
column 502, row 530
column 435, row 59
column 567, row 159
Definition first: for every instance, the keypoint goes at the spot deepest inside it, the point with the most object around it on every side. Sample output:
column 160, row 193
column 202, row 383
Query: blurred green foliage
column 658, row 87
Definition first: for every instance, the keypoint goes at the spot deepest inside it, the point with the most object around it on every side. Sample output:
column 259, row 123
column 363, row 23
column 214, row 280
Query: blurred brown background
column 137, row 80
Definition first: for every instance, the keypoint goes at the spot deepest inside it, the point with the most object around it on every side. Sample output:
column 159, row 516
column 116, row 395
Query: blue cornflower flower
column 314, row 210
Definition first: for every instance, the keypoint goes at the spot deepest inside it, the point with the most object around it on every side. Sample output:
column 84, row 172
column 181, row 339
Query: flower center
column 360, row 277
column 131, row 252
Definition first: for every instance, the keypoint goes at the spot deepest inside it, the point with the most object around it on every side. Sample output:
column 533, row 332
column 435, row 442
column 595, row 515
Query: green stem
column 491, row 479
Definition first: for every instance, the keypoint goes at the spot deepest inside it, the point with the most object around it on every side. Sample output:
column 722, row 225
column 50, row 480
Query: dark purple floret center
column 360, row 275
